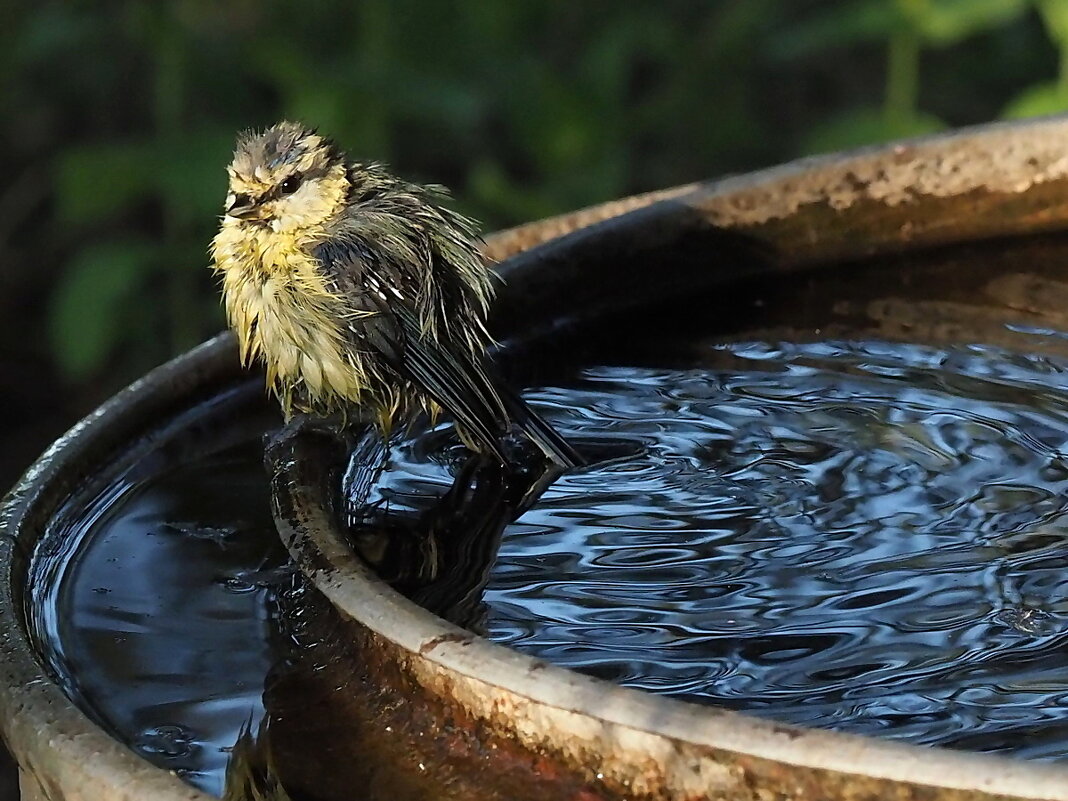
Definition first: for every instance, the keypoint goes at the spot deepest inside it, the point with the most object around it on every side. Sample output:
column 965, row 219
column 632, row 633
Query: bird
column 362, row 292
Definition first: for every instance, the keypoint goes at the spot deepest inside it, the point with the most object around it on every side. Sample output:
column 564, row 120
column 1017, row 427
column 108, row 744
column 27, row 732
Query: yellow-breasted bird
column 358, row 289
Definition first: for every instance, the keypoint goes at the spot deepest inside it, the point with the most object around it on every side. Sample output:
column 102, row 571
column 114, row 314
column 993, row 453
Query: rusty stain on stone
column 434, row 642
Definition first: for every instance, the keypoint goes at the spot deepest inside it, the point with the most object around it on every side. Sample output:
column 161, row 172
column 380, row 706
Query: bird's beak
column 242, row 207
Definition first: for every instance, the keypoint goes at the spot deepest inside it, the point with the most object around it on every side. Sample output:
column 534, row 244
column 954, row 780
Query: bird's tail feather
column 466, row 385
column 538, row 431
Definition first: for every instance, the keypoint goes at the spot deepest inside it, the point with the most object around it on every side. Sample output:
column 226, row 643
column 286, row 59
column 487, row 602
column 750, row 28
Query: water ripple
column 869, row 536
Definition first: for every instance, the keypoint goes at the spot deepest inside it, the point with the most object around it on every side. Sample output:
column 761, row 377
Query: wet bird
column 360, row 291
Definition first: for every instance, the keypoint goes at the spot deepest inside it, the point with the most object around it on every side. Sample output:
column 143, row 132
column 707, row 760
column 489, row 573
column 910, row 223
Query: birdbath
column 432, row 707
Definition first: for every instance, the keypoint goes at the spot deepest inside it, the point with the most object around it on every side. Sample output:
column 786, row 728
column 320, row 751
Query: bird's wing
column 459, row 385
column 470, row 379
column 393, row 330
column 461, row 381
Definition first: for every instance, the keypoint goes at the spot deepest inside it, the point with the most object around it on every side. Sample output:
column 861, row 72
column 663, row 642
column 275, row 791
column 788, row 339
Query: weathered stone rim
column 1000, row 163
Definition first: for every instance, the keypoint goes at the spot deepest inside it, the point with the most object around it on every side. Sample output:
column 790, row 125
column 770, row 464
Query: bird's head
column 288, row 178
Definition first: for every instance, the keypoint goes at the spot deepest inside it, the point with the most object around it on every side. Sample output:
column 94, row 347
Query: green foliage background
column 119, row 119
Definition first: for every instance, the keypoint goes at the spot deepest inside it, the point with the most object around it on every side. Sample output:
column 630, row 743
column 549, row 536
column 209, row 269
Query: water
column 152, row 596
column 861, row 535
column 823, row 525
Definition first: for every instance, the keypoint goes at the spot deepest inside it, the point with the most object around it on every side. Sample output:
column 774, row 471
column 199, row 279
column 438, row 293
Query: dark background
column 119, row 118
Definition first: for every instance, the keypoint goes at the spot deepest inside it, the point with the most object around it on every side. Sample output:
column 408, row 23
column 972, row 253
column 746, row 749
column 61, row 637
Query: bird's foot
column 367, row 460
column 302, row 425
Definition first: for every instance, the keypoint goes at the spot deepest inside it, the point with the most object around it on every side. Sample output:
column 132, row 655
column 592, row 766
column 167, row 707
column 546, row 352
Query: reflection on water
column 866, row 536
column 438, row 547
column 167, row 607
column 153, row 602
column 859, row 535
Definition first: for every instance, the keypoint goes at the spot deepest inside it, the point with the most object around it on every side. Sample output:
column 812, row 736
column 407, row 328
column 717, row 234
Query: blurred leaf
column 316, row 104
column 95, row 181
column 86, row 315
column 488, row 186
column 192, row 171
column 939, row 23
column 436, row 97
column 1045, row 98
column 865, row 126
column 52, row 32
column 1055, row 16
column 844, row 25
column 946, row 22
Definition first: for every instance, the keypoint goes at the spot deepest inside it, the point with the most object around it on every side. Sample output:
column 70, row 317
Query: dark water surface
column 860, row 535
column 856, row 534
column 156, row 611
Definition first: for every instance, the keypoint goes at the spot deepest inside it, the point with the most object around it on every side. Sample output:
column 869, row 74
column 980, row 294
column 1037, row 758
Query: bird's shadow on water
column 319, row 702
column 440, row 558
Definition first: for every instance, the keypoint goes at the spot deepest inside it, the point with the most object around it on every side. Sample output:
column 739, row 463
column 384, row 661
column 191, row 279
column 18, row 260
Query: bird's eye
column 290, row 185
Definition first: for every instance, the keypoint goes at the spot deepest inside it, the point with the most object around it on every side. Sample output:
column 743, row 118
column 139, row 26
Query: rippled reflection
column 152, row 596
column 861, row 535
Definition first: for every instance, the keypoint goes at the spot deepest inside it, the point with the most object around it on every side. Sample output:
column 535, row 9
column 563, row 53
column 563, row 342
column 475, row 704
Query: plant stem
column 1062, row 73
column 903, row 65
column 1055, row 17
column 170, row 93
